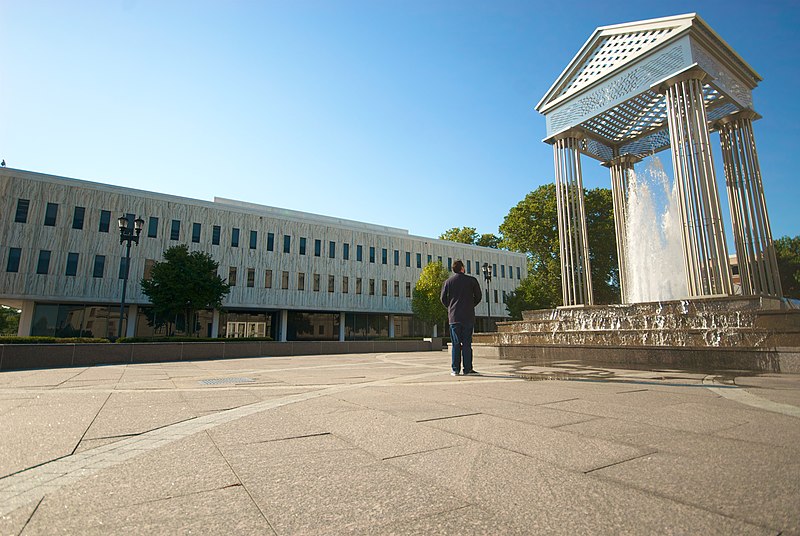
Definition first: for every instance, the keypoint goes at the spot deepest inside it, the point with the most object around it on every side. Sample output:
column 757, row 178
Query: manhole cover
column 217, row 381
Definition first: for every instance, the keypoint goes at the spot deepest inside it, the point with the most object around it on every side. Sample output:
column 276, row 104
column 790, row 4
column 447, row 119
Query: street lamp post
column 487, row 275
column 127, row 236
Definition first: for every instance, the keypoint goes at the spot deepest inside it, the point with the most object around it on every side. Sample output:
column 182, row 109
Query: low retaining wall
column 30, row 356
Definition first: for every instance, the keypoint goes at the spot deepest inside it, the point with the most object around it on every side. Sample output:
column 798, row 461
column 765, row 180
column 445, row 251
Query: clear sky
column 416, row 114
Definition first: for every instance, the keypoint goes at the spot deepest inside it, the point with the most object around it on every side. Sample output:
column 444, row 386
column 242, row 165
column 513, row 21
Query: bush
column 191, row 339
column 51, row 340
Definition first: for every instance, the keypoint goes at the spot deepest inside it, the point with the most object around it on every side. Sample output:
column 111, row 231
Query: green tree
column 531, row 227
column 787, row 250
column 425, row 302
column 462, row 235
column 9, row 320
column 489, row 240
column 185, row 283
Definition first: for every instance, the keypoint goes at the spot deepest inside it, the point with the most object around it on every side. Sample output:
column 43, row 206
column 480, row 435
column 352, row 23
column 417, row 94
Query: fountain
column 633, row 90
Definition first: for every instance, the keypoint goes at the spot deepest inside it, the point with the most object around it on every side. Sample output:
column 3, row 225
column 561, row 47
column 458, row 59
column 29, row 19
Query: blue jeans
column 461, row 342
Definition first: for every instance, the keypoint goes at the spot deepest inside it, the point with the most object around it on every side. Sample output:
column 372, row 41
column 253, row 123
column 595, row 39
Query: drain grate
column 217, row 381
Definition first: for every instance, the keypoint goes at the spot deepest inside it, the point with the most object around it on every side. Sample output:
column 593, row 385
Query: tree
column 185, row 283
column 9, row 320
column 488, row 240
column 462, row 235
column 787, row 251
column 531, row 227
column 425, row 298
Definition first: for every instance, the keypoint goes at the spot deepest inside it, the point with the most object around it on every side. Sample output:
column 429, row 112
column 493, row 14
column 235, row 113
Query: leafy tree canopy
column 9, row 320
column 185, row 283
column 787, row 250
column 531, row 227
column 425, row 302
column 468, row 235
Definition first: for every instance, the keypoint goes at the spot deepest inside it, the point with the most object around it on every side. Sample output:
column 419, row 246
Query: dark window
column 270, row 241
column 302, row 245
column 316, row 282
column 495, row 296
column 331, row 283
column 14, row 256
column 251, row 277
column 449, row 264
column 494, row 271
column 332, row 250
column 287, row 243
column 359, row 253
column 22, row 210
column 105, row 222
column 439, row 258
column 317, row 248
column 518, row 277
column 397, row 289
column 123, row 267
column 358, row 285
column 232, row 276
column 301, row 281
column 215, row 232
column 371, row 287
column 72, row 264
column 372, row 254
column 384, row 287
column 285, row 280
column 152, row 227
column 346, row 251
column 44, row 262
column 384, row 256
column 175, row 231
column 345, row 284
column 408, row 259
column 50, row 214
column 234, row 237
column 469, row 266
column 419, row 260
column 502, row 270
column 99, row 265
column 196, row 232
column 396, row 258
column 430, row 259
column 268, row 279
column 254, row 240
column 408, row 290
column 77, row 217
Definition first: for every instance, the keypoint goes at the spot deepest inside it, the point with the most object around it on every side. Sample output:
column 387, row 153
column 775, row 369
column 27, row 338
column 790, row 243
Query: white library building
column 293, row 275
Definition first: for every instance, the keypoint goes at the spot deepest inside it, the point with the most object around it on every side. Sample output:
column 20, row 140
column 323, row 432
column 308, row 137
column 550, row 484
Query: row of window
column 79, row 213
column 71, row 269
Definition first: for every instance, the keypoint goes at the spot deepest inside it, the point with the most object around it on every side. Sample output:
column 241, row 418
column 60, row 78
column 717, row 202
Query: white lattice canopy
column 611, row 90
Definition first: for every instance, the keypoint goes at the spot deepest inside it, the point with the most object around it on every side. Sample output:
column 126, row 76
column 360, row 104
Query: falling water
column 654, row 254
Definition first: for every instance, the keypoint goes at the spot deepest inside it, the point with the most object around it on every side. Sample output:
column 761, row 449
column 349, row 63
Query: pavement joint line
column 128, row 448
column 747, row 398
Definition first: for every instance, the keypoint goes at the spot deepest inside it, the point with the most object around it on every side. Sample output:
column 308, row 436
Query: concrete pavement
column 392, row 444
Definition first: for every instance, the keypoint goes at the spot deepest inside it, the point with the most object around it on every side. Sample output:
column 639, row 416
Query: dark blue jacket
column 460, row 294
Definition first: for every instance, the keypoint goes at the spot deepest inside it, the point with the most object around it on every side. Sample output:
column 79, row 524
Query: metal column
column 576, row 277
column 755, row 251
column 705, row 251
column 621, row 169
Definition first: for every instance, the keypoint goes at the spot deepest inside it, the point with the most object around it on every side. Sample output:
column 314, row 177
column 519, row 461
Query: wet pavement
column 392, row 444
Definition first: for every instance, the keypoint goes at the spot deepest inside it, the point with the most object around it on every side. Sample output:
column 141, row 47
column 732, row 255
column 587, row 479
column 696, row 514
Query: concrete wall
column 30, row 356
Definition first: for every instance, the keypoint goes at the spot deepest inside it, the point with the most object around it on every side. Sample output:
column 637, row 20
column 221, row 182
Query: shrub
column 51, row 340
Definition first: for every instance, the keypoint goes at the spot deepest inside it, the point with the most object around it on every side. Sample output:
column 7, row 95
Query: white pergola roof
column 610, row 88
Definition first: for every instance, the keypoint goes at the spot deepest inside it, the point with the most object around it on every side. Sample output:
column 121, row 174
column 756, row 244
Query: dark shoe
column 472, row 373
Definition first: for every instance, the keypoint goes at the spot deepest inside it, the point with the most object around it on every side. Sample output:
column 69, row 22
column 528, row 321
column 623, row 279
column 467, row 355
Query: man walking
column 460, row 294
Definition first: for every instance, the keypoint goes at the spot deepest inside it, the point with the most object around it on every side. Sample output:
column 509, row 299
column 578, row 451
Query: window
column 14, row 256
column 99, row 266
column 254, row 240
column 359, row 253
column 72, row 264
column 287, row 243
column 301, row 281
column 105, row 221
column 408, row 259
column 495, row 296
column 439, row 258
column 419, row 260
column 345, row 284
column 268, row 279
column 503, row 270
column 215, row 232
column 123, row 267
column 232, row 276
column 285, row 280
column 396, row 258
column 346, row 251
column 43, row 265
column 196, row 232
column 358, row 285
column 384, row 256
column 372, row 254
column 316, row 282
column 50, row 214
column 302, row 245
column 270, row 241
column 510, row 272
column 234, row 237
column 331, row 283
column 469, row 266
column 504, row 296
column 430, row 259
column 175, row 230
column 251, row 277
column 317, row 248
column 332, row 250
column 494, row 271
column 22, row 210
column 397, row 289
column 518, row 277
column 152, row 227
column 384, row 287
column 408, row 290
column 148, row 268
column 371, row 287
column 77, row 217
column 449, row 264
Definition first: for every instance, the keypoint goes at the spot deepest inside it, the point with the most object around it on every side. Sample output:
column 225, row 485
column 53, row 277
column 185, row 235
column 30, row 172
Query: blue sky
column 413, row 114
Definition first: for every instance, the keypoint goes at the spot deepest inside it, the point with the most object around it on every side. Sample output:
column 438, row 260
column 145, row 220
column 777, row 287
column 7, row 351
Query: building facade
column 293, row 275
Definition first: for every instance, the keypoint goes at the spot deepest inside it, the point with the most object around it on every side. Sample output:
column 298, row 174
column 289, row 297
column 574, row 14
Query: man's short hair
column 458, row 265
